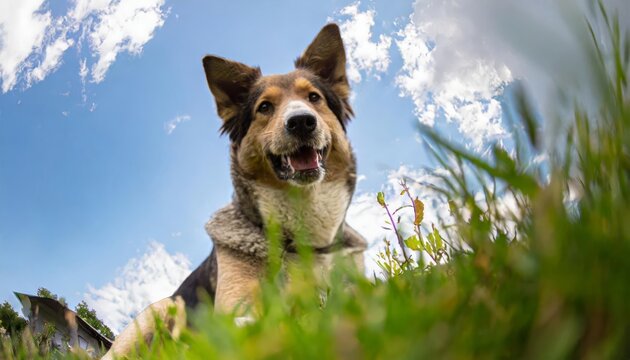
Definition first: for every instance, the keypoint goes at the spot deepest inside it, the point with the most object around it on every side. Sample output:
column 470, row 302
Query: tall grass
column 546, row 277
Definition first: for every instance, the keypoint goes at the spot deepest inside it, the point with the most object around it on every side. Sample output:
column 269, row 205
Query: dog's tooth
column 287, row 162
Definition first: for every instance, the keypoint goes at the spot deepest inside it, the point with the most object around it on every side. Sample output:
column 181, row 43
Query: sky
column 110, row 157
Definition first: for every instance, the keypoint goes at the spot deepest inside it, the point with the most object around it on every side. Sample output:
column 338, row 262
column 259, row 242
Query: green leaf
column 431, row 239
column 429, row 248
column 413, row 243
column 438, row 238
column 380, row 197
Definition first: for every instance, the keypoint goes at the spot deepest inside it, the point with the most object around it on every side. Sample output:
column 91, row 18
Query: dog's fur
column 291, row 163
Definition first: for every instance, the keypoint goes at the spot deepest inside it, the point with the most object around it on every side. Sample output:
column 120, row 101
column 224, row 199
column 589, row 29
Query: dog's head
column 287, row 128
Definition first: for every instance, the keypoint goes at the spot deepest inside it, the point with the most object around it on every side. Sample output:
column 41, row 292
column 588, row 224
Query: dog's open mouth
column 304, row 159
column 303, row 166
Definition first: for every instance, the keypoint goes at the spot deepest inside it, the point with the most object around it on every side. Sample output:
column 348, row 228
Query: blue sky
column 96, row 188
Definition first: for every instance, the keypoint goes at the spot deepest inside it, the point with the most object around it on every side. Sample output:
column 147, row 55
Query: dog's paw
column 244, row 320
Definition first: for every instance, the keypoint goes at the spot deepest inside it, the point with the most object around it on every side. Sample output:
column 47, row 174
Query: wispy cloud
column 172, row 124
column 51, row 61
column 363, row 54
column 142, row 281
column 32, row 42
column 124, row 25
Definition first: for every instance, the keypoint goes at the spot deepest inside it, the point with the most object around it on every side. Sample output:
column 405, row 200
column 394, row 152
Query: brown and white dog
column 291, row 163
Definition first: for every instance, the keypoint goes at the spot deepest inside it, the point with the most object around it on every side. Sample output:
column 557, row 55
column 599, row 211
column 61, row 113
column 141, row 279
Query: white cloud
column 142, row 281
column 83, row 8
column 83, row 69
column 459, row 55
column 83, row 73
column 32, row 42
column 170, row 125
column 125, row 25
column 444, row 72
column 52, row 59
column 368, row 217
column 22, row 31
column 363, row 54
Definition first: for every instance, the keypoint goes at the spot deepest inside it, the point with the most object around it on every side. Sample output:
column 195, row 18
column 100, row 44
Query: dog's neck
column 315, row 212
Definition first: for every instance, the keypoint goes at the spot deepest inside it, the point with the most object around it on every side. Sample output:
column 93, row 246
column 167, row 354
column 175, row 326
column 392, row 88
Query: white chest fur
column 316, row 211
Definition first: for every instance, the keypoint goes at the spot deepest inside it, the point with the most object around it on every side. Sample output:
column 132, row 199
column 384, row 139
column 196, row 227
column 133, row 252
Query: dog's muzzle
column 304, row 163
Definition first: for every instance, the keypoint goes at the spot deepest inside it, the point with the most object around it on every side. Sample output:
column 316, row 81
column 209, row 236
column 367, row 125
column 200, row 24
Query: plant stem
column 400, row 239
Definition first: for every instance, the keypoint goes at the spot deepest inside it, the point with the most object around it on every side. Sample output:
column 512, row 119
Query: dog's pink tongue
column 304, row 160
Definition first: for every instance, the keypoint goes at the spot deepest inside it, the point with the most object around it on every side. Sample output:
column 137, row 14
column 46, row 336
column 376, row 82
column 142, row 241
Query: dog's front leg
column 143, row 326
column 238, row 281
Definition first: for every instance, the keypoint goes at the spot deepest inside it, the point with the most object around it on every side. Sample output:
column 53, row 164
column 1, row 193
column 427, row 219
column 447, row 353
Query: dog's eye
column 314, row 97
column 264, row 107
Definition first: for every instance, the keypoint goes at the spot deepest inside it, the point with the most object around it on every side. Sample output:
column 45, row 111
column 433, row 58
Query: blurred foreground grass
column 546, row 277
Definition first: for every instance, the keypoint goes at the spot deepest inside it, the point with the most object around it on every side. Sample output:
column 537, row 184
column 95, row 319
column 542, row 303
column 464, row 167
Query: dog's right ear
column 229, row 82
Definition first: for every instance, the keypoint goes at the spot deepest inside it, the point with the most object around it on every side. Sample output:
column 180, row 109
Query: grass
column 547, row 277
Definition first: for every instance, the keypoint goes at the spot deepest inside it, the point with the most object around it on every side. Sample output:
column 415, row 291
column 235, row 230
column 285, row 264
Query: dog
column 291, row 164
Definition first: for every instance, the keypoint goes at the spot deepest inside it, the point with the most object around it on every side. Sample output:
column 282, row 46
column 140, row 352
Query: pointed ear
column 326, row 57
column 229, row 82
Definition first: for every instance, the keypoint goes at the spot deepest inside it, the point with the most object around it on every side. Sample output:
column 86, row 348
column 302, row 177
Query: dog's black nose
column 301, row 125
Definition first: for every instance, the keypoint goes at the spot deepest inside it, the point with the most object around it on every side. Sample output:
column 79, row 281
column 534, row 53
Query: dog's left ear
column 326, row 57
